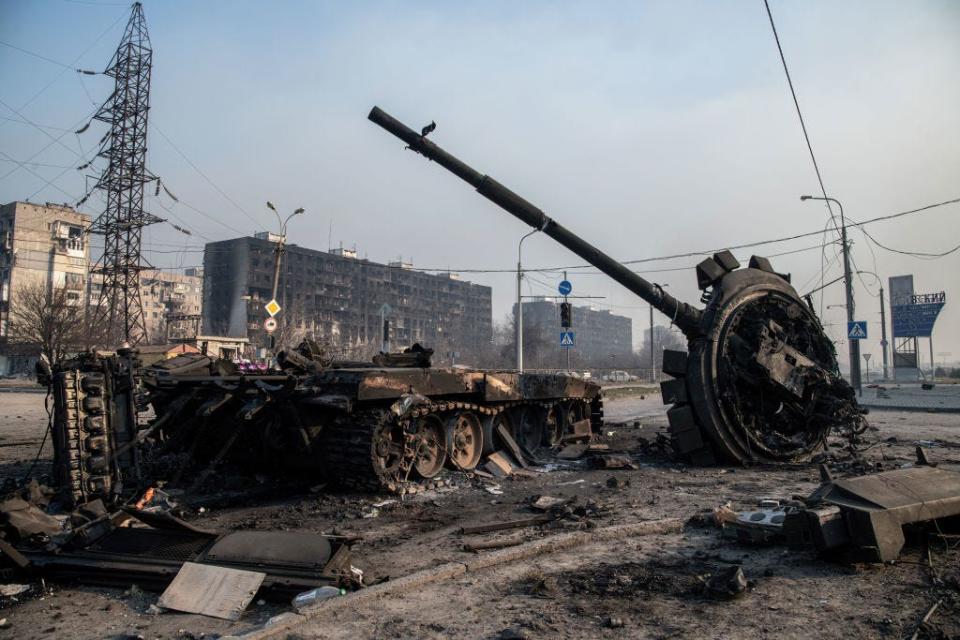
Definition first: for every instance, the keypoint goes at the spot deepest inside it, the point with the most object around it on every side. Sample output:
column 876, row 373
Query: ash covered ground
column 638, row 587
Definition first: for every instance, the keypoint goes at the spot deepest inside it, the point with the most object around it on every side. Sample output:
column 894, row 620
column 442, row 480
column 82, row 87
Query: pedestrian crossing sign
column 566, row 338
column 857, row 330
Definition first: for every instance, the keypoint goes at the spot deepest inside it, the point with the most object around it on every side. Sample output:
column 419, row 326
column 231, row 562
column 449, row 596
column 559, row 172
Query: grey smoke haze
column 649, row 128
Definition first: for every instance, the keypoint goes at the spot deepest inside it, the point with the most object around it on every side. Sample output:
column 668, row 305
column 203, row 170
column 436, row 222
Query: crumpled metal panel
column 875, row 507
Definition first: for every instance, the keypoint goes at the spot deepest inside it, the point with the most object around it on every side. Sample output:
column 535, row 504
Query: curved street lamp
column 854, row 344
column 278, row 255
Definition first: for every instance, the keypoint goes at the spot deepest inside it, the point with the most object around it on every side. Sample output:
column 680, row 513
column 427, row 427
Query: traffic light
column 566, row 315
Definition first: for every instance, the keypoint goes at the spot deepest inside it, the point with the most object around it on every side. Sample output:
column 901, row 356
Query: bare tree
column 50, row 320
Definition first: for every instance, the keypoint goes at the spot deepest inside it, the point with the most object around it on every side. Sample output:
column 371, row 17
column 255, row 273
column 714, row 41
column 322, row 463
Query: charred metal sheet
column 151, row 556
column 25, row 521
column 218, row 592
column 306, row 550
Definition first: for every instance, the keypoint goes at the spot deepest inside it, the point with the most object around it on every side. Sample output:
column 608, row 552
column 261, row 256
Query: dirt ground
column 638, row 587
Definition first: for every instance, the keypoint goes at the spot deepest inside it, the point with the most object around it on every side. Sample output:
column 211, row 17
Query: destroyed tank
column 759, row 382
column 392, row 424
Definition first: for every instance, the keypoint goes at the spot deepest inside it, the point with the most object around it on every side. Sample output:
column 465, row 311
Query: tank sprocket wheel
column 369, row 451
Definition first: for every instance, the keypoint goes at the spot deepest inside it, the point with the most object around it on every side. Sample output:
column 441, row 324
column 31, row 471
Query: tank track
column 349, row 445
column 80, row 438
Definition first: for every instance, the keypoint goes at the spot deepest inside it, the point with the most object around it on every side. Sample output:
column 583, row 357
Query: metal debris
column 867, row 514
column 218, row 592
column 393, row 424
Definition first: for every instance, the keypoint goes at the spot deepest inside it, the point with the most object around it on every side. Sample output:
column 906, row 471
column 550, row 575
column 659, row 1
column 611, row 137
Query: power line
column 199, row 249
column 33, row 164
column 44, row 126
column 915, row 254
column 776, row 240
column 259, row 223
column 803, row 125
column 76, row 60
column 45, row 58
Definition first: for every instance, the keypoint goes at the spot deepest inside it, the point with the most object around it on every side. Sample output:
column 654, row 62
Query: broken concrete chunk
column 545, row 503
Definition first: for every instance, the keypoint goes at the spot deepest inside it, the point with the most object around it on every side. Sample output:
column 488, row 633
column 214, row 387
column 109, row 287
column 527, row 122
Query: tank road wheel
column 490, row 425
column 431, row 450
column 554, row 424
column 528, row 431
column 464, row 440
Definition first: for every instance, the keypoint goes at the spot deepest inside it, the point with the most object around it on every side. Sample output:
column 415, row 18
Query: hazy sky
column 649, row 128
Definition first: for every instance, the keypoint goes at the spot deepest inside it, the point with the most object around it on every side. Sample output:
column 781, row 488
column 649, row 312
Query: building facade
column 338, row 298
column 601, row 339
column 171, row 304
column 39, row 245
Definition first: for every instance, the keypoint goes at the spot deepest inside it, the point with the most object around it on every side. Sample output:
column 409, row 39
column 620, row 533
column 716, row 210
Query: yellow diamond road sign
column 272, row 307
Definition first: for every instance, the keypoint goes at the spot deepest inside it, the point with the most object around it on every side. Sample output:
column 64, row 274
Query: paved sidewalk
column 943, row 397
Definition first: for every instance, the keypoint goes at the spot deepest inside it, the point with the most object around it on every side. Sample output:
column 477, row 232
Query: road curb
column 286, row 622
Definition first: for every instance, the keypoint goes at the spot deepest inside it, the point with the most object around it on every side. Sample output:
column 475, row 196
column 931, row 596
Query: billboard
column 913, row 315
column 916, row 319
column 901, row 290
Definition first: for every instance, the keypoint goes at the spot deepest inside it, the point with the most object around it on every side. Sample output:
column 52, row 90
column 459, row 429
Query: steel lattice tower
column 119, row 310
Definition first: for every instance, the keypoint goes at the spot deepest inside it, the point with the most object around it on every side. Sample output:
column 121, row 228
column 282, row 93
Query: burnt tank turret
column 760, row 381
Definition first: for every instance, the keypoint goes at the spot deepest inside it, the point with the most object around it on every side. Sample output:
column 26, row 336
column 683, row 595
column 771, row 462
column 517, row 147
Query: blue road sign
column 566, row 338
column 565, row 287
column 857, row 330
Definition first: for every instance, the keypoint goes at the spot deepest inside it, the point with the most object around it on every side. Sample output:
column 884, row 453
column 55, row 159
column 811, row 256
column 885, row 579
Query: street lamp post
column 848, row 281
column 518, row 321
column 883, row 322
column 278, row 256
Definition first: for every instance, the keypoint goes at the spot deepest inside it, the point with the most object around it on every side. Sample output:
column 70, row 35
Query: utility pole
column 119, row 308
column 653, row 357
column 568, row 348
column 278, row 257
column 883, row 333
column 518, row 320
column 848, row 284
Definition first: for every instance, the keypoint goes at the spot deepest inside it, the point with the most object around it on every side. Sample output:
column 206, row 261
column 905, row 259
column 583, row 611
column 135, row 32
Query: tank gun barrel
column 686, row 317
